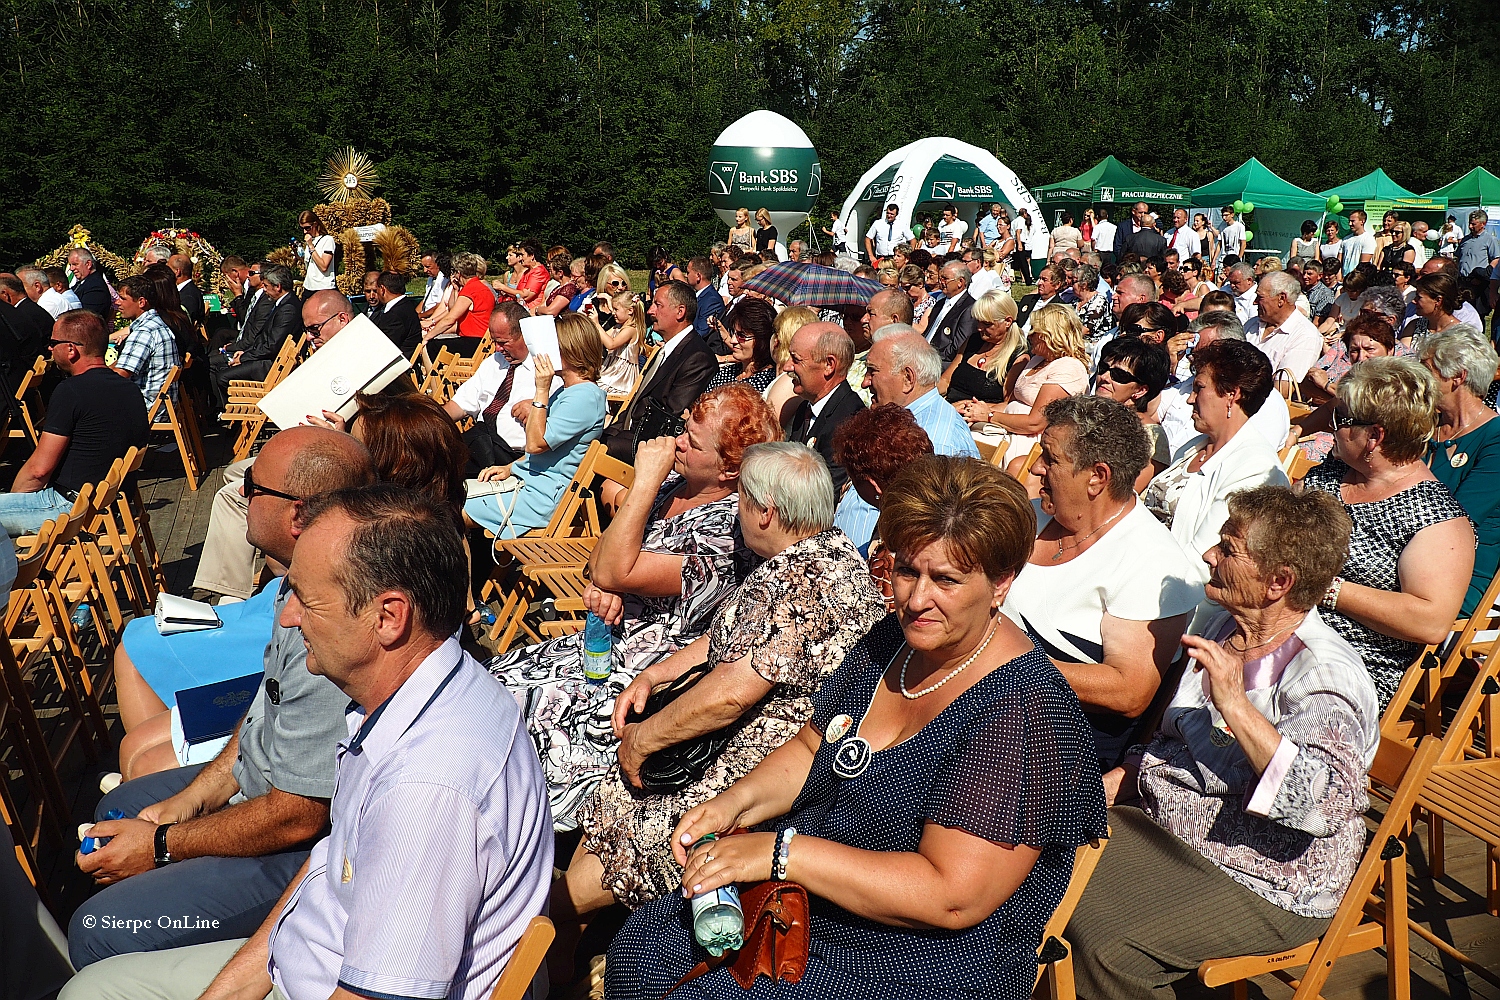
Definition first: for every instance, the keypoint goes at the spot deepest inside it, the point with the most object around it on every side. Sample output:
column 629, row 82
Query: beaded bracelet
column 780, row 852
column 1331, row 597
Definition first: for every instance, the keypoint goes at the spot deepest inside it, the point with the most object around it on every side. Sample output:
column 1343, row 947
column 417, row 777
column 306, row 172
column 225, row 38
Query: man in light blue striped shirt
column 903, row 368
column 440, row 851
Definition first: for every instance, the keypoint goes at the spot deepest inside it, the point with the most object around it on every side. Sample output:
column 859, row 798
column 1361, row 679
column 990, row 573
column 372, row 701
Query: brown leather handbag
column 776, row 938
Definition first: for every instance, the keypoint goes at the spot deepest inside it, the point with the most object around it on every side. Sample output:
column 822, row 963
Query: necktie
column 501, row 400
column 802, row 423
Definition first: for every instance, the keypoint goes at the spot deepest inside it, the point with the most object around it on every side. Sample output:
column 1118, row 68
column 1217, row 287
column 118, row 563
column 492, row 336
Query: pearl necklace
column 914, row 695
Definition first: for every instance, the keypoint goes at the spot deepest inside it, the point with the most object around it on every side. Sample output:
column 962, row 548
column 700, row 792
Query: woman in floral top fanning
column 1248, row 804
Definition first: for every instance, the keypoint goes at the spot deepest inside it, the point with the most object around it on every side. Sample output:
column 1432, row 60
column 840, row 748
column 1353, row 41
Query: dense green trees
column 491, row 120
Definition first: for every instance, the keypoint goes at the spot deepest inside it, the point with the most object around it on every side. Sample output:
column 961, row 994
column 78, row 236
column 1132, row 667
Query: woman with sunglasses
column 749, row 327
column 1231, row 381
column 914, row 281
column 317, row 250
column 1134, row 372
column 1412, row 552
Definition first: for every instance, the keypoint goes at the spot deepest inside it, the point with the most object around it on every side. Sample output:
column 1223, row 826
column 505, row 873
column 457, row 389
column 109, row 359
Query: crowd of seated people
column 819, row 597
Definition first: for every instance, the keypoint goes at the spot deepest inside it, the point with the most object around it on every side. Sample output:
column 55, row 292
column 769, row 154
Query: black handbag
column 655, row 420
column 675, row 767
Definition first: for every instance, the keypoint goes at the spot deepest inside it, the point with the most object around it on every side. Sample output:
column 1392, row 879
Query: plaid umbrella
column 778, row 281
column 830, row 288
column 812, row 285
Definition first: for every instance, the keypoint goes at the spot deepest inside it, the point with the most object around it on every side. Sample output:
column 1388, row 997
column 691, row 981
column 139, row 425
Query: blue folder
column 211, row 711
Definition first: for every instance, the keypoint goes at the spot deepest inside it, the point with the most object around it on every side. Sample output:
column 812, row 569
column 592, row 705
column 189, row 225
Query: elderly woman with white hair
column 1464, row 454
column 696, row 722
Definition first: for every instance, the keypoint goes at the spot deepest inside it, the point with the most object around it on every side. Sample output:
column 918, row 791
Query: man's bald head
column 181, row 265
column 317, row 460
column 327, row 312
column 302, row 462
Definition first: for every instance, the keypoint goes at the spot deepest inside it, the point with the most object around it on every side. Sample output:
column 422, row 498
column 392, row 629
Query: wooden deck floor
column 1455, row 903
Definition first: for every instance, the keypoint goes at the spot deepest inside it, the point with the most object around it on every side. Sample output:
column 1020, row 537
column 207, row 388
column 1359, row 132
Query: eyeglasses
column 251, row 488
column 315, row 329
column 1119, row 375
column 56, row 343
column 738, row 336
column 1342, row 418
column 253, row 274
column 617, row 283
column 307, row 229
column 1137, row 330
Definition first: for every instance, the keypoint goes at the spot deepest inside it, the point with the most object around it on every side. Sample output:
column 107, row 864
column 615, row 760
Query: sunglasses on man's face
column 251, row 488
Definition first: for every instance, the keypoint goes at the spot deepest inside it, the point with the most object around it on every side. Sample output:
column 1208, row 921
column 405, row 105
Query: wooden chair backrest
column 1085, row 860
column 163, row 394
column 524, row 962
column 1405, row 769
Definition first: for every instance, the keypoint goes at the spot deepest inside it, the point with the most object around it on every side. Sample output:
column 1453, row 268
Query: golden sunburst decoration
column 349, row 175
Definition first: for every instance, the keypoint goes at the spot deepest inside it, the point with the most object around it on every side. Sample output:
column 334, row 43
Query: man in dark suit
column 700, row 274
column 1145, row 242
column 821, row 354
column 676, row 375
column 187, row 290
column 952, row 325
column 250, row 356
column 1049, row 285
column 395, row 312
column 33, row 324
column 89, row 285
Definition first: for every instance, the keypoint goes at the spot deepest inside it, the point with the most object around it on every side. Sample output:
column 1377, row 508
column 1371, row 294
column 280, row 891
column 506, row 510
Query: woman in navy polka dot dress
column 946, row 777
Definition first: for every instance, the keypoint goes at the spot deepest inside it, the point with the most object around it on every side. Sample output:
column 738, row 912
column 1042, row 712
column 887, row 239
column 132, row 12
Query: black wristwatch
column 163, row 856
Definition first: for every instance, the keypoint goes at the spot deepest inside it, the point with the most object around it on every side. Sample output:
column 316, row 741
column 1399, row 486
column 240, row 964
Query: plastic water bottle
column 718, row 918
column 598, row 640
column 92, row 844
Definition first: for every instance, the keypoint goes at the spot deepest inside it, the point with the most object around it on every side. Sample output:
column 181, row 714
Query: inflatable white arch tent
column 922, row 175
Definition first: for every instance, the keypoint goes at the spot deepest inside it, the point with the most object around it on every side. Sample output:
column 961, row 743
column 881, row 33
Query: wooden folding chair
column 515, row 982
column 28, row 405
column 20, row 727
column 244, row 394
column 178, row 416
column 135, row 525
column 1054, row 959
column 1405, row 769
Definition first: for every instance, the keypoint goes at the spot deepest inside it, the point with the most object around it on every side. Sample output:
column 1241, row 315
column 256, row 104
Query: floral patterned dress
column 569, row 718
column 796, row 616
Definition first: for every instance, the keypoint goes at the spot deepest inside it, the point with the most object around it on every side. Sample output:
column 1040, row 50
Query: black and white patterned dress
column 569, row 718
column 1382, row 530
column 796, row 617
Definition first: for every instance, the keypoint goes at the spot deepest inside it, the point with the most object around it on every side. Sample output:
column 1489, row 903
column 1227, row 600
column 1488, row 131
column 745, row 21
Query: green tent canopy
column 1111, row 182
column 1477, row 187
column 1254, row 182
column 1377, row 186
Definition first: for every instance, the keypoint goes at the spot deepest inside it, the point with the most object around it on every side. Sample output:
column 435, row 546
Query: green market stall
column 1276, row 207
column 1111, row 183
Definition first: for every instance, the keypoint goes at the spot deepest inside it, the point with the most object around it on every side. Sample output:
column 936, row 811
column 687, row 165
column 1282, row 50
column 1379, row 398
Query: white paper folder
column 359, row 358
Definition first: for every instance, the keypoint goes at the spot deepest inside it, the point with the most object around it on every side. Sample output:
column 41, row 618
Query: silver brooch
column 852, row 757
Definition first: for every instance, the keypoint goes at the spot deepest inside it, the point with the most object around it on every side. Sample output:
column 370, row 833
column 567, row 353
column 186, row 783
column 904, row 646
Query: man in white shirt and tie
column 1182, row 238
column 1280, row 330
column 884, row 236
